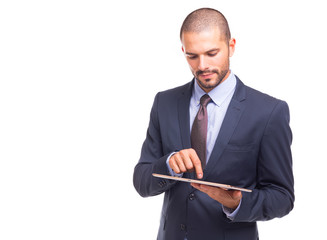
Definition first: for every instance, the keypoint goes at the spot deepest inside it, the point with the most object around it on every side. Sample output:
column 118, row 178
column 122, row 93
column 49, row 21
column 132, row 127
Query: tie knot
column 204, row 100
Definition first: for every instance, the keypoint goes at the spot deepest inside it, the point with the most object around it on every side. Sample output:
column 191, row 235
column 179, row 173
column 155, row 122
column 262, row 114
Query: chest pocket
column 240, row 148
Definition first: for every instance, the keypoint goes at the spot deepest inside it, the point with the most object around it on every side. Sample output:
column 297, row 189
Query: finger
column 196, row 185
column 211, row 191
column 180, row 162
column 221, row 193
column 236, row 194
column 173, row 165
column 185, row 155
column 197, row 164
column 230, row 199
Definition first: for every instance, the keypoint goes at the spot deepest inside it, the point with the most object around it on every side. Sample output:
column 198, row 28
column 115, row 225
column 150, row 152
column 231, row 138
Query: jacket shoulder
column 171, row 96
column 177, row 90
column 258, row 98
column 258, row 102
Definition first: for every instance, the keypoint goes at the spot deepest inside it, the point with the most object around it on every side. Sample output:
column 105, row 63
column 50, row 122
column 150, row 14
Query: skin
column 207, row 53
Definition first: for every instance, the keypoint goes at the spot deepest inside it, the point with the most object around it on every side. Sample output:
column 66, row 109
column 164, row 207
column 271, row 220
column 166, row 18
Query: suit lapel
column 232, row 117
column 184, row 115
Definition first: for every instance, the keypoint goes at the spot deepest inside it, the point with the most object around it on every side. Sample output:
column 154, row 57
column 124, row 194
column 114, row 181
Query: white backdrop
column 77, row 81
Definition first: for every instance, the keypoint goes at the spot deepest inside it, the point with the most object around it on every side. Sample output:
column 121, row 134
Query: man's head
column 207, row 45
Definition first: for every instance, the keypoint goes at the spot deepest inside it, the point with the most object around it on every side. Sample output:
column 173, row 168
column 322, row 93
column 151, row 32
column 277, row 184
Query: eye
column 212, row 54
column 192, row 56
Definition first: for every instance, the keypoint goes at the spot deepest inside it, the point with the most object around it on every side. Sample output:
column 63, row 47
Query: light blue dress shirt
column 217, row 108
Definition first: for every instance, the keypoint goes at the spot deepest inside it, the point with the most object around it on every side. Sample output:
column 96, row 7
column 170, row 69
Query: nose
column 202, row 65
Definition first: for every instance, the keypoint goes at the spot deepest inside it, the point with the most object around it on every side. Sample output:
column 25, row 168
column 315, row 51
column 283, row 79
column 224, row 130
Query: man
column 246, row 143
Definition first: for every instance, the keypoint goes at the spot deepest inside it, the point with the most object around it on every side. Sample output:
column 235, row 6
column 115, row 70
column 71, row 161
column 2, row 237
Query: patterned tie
column 199, row 130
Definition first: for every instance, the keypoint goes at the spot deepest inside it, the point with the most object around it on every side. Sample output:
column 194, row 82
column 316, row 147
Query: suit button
column 183, row 227
column 162, row 184
column 191, row 197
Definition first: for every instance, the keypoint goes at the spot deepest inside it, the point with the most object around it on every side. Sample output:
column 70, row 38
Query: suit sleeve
column 152, row 159
column 274, row 193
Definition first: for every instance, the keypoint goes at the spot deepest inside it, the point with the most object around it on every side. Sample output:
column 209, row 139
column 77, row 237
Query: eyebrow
column 211, row 50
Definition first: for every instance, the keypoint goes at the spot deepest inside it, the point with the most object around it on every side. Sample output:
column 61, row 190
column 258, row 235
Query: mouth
column 205, row 74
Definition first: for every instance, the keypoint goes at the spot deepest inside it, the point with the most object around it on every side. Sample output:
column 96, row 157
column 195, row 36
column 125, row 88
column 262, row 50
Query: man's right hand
column 186, row 160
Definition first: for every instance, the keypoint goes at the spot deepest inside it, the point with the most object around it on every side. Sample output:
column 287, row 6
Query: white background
column 77, row 81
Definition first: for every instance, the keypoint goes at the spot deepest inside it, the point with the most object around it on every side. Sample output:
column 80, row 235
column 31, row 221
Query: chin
column 209, row 83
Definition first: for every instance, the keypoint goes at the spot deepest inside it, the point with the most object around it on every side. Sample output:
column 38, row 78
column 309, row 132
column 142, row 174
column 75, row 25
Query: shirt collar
column 219, row 93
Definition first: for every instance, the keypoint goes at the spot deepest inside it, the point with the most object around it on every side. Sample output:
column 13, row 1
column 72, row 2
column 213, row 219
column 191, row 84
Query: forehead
column 197, row 42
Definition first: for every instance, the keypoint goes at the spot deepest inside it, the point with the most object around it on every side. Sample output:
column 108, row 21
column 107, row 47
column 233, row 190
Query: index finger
column 197, row 164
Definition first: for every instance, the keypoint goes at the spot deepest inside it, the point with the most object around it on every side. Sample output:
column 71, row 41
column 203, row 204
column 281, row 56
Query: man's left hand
column 228, row 198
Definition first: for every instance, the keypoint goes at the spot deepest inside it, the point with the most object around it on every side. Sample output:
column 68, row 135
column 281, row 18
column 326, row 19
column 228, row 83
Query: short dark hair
column 203, row 19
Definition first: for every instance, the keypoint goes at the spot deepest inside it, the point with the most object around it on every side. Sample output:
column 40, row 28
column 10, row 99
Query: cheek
column 193, row 65
column 219, row 62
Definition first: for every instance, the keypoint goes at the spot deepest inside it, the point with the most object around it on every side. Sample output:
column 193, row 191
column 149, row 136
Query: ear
column 232, row 44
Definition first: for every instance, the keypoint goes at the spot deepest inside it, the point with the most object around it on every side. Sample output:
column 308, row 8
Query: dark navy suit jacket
column 252, row 150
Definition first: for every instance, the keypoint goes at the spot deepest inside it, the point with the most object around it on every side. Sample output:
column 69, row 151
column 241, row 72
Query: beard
column 208, row 83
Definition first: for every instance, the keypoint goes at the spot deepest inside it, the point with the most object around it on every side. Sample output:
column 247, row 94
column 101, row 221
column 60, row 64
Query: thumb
column 237, row 194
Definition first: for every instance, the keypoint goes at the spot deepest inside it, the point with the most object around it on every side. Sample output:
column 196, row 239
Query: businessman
column 216, row 129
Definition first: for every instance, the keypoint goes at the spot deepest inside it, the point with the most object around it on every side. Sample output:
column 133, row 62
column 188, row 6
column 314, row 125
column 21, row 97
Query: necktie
column 199, row 130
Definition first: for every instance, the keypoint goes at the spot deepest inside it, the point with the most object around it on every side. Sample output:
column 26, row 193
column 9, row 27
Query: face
column 207, row 54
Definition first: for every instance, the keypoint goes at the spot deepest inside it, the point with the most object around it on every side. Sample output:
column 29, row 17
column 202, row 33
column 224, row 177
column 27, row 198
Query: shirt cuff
column 230, row 213
column 171, row 171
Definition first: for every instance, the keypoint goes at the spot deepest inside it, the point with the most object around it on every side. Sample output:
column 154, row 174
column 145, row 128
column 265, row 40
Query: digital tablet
column 225, row 186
